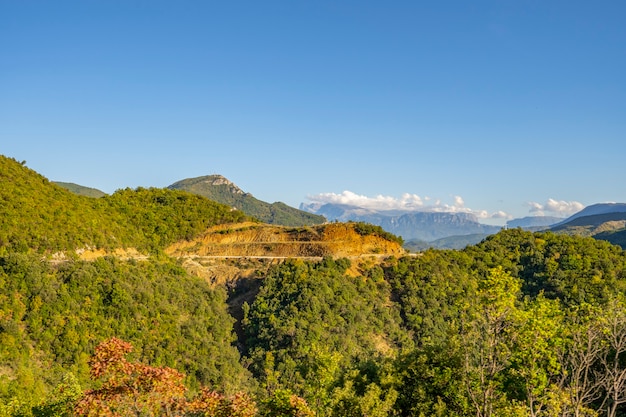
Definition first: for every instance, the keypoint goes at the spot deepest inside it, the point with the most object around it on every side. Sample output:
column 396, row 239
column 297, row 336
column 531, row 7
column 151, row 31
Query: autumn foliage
column 128, row 388
column 134, row 389
column 212, row 404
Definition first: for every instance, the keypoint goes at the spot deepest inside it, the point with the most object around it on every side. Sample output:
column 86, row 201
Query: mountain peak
column 219, row 188
column 208, row 181
column 221, row 180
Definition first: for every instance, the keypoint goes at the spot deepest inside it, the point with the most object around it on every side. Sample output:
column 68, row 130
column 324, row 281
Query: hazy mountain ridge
column 593, row 221
column 450, row 242
column 603, row 221
column 222, row 190
column 534, row 222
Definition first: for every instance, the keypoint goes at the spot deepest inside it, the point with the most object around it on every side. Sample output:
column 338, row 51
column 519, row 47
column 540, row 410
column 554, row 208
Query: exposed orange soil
column 257, row 240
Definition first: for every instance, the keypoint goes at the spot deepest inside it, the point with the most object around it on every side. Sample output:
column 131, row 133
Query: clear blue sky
column 485, row 106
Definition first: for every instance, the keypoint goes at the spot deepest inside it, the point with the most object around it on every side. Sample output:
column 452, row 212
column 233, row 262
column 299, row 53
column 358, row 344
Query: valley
column 166, row 301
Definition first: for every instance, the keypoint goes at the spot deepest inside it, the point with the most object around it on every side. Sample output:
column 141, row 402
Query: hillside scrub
column 40, row 216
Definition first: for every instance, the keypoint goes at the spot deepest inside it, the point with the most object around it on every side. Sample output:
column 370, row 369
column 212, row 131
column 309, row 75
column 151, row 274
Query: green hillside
column 218, row 188
column 616, row 237
column 38, row 215
column 606, row 226
column 81, row 190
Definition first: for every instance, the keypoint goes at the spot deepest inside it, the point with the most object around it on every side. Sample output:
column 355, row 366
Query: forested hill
column 38, row 215
column 218, row 188
column 81, row 190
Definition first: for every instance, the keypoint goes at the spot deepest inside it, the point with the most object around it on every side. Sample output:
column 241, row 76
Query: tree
column 62, row 400
column 487, row 340
column 213, row 404
column 612, row 374
column 579, row 357
column 535, row 364
column 130, row 389
column 283, row 403
column 431, row 382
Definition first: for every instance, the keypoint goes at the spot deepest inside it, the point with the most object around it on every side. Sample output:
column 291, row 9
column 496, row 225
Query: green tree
column 579, row 356
column 431, row 382
column 283, row 403
column 535, row 365
column 487, row 339
column 62, row 400
column 612, row 374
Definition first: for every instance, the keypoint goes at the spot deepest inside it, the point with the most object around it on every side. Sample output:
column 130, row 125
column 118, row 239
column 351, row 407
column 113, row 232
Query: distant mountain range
column 534, row 222
column 610, row 209
column 424, row 226
column 422, row 230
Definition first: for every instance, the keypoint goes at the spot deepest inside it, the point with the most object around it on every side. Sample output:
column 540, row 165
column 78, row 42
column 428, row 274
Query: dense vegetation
column 616, row 237
column 521, row 324
column 366, row 229
column 52, row 317
column 39, row 216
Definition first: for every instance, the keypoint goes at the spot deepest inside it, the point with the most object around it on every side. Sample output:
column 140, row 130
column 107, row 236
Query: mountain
column 425, row 226
column 594, row 210
column 81, row 190
column 605, row 221
column 533, row 222
column 432, row 226
column 450, row 242
column 220, row 189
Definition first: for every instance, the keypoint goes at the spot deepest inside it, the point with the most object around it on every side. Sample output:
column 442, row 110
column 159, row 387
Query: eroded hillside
column 263, row 240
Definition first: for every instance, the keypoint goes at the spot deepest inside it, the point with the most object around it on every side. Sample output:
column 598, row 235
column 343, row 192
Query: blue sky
column 502, row 108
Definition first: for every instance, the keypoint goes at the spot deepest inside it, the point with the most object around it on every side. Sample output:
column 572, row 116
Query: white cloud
column 380, row 202
column 501, row 215
column 555, row 207
column 407, row 202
